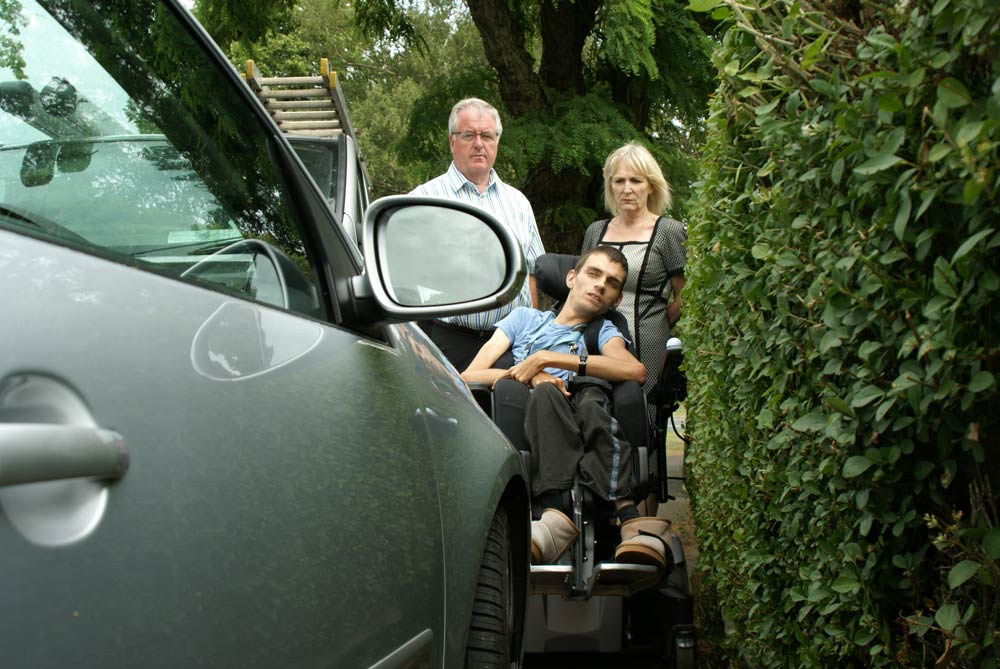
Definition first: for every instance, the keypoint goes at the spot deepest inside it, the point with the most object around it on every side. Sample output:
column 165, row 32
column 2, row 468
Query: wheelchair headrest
column 550, row 274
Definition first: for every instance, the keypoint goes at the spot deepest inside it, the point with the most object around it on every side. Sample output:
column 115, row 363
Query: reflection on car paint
column 240, row 341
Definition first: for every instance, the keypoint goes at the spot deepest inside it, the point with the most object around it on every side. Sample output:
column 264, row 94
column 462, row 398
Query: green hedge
column 841, row 333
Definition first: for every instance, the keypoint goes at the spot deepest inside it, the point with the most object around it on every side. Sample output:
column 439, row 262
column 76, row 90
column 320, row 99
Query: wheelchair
column 587, row 602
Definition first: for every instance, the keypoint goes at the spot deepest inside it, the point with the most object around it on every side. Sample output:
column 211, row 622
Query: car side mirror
column 39, row 164
column 74, row 157
column 428, row 257
column 58, row 98
column 17, row 98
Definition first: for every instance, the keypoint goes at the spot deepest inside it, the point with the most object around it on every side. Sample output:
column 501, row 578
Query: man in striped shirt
column 474, row 130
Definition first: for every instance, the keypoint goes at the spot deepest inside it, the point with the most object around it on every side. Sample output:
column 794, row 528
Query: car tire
column 492, row 630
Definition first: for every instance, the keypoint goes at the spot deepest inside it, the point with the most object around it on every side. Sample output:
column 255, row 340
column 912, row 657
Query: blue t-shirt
column 531, row 330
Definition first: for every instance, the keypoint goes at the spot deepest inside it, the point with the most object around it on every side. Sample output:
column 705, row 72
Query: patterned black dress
column 647, row 291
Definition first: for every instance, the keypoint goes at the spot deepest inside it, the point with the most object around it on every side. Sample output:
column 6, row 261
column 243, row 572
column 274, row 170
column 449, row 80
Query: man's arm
column 615, row 363
column 532, row 247
column 480, row 370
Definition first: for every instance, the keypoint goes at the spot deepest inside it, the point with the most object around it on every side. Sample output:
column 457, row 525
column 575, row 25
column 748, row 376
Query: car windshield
column 143, row 198
column 123, row 141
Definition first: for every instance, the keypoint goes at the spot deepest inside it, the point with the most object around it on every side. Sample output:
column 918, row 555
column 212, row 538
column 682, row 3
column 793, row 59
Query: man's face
column 474, row 157
column 597, row 287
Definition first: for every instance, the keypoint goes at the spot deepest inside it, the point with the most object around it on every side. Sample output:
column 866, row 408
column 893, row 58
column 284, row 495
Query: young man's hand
column 545, row 377
column 528, row 369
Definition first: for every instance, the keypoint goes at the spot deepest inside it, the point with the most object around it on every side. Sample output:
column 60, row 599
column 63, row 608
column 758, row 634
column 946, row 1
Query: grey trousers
column 574, row 436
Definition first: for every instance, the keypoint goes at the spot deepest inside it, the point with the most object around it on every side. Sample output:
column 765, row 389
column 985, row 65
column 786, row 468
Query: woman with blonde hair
column 637, row 195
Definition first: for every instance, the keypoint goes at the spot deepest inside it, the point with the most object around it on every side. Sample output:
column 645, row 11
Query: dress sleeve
column 672, row 245
column 592, row 236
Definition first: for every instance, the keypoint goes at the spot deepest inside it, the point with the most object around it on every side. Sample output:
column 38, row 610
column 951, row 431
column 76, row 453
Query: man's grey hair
column 481, row 106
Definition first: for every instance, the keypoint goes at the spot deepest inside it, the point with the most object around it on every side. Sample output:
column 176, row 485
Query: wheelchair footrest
column 554, row 579
column 613, row 579
column 623, row 579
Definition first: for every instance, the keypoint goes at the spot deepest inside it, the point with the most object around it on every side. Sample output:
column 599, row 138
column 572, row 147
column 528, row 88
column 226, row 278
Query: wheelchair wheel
column 492, row 631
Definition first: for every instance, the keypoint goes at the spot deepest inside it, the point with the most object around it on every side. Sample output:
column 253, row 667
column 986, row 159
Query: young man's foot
column 551, row 536
column 646, row 541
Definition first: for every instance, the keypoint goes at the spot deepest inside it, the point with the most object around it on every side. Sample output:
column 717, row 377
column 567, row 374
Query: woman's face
column 630, row 190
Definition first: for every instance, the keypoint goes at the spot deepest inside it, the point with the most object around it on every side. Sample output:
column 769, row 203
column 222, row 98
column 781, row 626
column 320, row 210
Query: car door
column 251, row 487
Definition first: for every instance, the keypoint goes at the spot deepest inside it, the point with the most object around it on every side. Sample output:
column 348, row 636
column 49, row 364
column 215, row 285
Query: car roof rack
column 311, row 105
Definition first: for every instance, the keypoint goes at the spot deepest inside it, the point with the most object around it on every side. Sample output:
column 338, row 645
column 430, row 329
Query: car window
column 321, row 158
column 113, row 140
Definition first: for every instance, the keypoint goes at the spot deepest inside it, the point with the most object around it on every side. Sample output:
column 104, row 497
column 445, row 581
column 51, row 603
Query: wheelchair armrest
column 483, row 392
column 505, row 402
column 510, row 399
column 631, row 413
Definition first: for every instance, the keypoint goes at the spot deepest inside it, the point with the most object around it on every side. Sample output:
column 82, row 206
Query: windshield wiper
column 46, row 225
column 194, row 247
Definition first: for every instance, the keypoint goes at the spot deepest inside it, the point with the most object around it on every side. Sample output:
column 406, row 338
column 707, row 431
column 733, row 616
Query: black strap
column 668, row 553
column 591, row 336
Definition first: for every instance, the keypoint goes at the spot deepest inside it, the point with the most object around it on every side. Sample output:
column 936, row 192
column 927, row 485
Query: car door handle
column 32, row 452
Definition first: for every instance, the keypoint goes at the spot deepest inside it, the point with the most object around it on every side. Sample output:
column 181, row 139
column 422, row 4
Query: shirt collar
column 458, row 180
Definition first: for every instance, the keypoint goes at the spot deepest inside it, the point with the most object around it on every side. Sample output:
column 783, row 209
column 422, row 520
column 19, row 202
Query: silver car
column 222, row 443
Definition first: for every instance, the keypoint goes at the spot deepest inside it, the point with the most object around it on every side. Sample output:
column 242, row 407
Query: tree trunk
column 548, row 192
column 503, row 42
column 564, row 28
column 626, row 92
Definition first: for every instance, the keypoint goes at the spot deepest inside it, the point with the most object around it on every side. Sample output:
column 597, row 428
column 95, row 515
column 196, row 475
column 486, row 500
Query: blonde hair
column 638, row 158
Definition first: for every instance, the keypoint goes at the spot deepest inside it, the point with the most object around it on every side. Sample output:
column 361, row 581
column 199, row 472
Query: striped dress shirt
column 512, row 209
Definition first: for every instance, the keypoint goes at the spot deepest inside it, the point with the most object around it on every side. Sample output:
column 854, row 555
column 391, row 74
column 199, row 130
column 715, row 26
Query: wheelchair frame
column 587, row 602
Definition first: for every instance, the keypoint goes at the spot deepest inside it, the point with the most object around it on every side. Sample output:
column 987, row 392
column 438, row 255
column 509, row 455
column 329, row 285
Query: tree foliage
column 243, row 21
column 10, row 46
column 386, row 76
column 842, row 324
column 575, row 80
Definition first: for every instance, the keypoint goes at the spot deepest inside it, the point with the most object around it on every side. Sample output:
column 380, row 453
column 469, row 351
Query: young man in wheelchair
column 569, row 424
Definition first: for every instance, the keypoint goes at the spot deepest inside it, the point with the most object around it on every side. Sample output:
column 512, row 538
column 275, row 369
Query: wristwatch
column 582, row 371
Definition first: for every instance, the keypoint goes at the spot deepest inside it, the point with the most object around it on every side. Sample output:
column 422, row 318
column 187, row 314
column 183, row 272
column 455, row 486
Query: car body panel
column 308, row 482
column 222, row 495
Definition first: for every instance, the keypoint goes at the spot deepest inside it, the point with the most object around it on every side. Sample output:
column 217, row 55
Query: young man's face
column 597, row 287
column 474, row 145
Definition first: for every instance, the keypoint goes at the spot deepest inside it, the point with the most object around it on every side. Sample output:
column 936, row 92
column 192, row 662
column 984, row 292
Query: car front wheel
column 492, row 630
